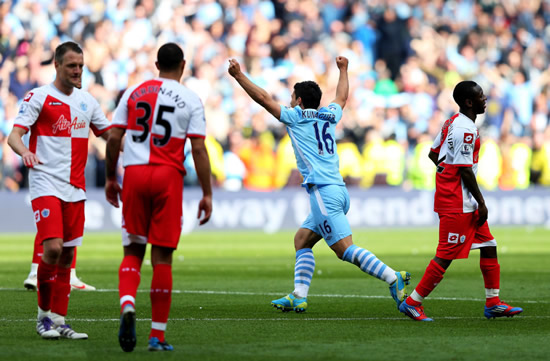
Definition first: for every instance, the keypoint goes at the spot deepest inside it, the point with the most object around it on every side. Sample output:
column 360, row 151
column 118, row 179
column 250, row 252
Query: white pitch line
column 244, row 293
column 290, row 318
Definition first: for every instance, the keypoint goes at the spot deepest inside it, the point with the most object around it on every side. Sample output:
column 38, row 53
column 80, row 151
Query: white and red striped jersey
column 458, row 146
column 59, row 127
column 159, row 115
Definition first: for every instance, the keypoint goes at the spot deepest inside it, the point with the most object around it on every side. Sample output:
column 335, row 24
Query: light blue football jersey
column 312, row 134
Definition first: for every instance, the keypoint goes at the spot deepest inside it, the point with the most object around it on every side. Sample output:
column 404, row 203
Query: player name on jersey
column 156, row 89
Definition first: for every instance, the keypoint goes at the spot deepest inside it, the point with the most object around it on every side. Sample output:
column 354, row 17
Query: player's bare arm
column 112, row 188
column 202, row 166
column 257, row 94
column 16, row 143
column 469, row 179
column 342, row 89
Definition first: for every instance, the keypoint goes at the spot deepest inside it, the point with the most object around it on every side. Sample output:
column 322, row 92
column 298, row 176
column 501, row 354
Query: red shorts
column 56, row 218
column 152, row 197
column 459, row 232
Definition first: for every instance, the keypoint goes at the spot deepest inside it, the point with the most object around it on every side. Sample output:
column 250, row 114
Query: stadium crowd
column 405, row 56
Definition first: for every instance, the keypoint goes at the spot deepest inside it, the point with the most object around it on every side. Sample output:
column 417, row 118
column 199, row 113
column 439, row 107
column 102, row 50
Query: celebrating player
column 462, row 222
column 158, row 116
column 311, row 130
column 59, row 117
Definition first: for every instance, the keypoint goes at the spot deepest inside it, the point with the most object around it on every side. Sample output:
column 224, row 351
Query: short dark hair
column 310, row 92
column 63, row 48
column 169, row 57
column 464, row 90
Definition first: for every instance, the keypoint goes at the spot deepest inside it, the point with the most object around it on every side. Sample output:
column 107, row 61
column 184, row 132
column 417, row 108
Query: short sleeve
column 288, row 115
column 436, row 146
column 197, row 123
column 120, row 117
column 29, row 110
column 461, row 144
column 99, row 122
column 335, row 109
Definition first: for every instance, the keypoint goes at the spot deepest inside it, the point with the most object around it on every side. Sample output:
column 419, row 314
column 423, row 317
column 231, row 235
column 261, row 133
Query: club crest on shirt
column 83, row 106
column 45, row 213
column 468, row 138
column 23, row 108
column 462, row 239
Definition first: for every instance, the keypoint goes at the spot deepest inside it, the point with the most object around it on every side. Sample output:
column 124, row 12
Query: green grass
column 224, row 283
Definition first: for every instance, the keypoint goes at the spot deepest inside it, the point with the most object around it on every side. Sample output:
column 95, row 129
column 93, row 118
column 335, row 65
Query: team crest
column 462, row 239
column 83, row 106
column 45, row 213
column 23, row 108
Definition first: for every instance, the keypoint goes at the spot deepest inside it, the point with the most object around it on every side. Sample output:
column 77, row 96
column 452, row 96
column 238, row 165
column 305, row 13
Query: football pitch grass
column 224, row 282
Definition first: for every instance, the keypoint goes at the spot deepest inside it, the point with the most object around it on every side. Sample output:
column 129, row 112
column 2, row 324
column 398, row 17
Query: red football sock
column 128, row 280
column 46, row 276
column 62, row 291
column 37, row 251
column 432, row 276
column 73, row 265
column 491, row 277
column 161, row 297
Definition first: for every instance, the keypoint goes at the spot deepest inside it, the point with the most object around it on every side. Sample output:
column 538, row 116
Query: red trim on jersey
column 79, row 156
column 54, row 119
column 170, row 154
column 445, row 131
column 21, row 126
column 435, row 150
column 118, row 126
column 196, row 136
column 462, row 165
column 147, row 92
column 97, row 131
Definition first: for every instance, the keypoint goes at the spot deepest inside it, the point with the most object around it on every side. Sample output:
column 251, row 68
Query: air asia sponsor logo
column 468, row 138
column 28, row 97
column 65, row 124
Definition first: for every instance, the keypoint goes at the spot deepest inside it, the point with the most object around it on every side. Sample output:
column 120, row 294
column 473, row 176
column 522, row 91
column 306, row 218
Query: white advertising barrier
column 287, row 209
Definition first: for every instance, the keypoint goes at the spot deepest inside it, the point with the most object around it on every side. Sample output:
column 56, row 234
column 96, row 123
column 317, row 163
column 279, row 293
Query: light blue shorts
column 329, row 205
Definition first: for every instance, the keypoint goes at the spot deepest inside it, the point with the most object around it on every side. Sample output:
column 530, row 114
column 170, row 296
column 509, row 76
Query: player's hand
column 342, row 62
column 205, row 206
column 234, row 68
column 112, row 192
column 483, row 212
column 30, row 159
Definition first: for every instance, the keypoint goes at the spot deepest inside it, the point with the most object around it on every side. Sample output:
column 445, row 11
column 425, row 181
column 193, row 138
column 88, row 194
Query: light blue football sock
column 303, row 272
column 369, row 263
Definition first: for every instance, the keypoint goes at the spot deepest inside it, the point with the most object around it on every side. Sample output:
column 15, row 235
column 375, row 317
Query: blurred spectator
column 540, row 166
column 405, row 58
